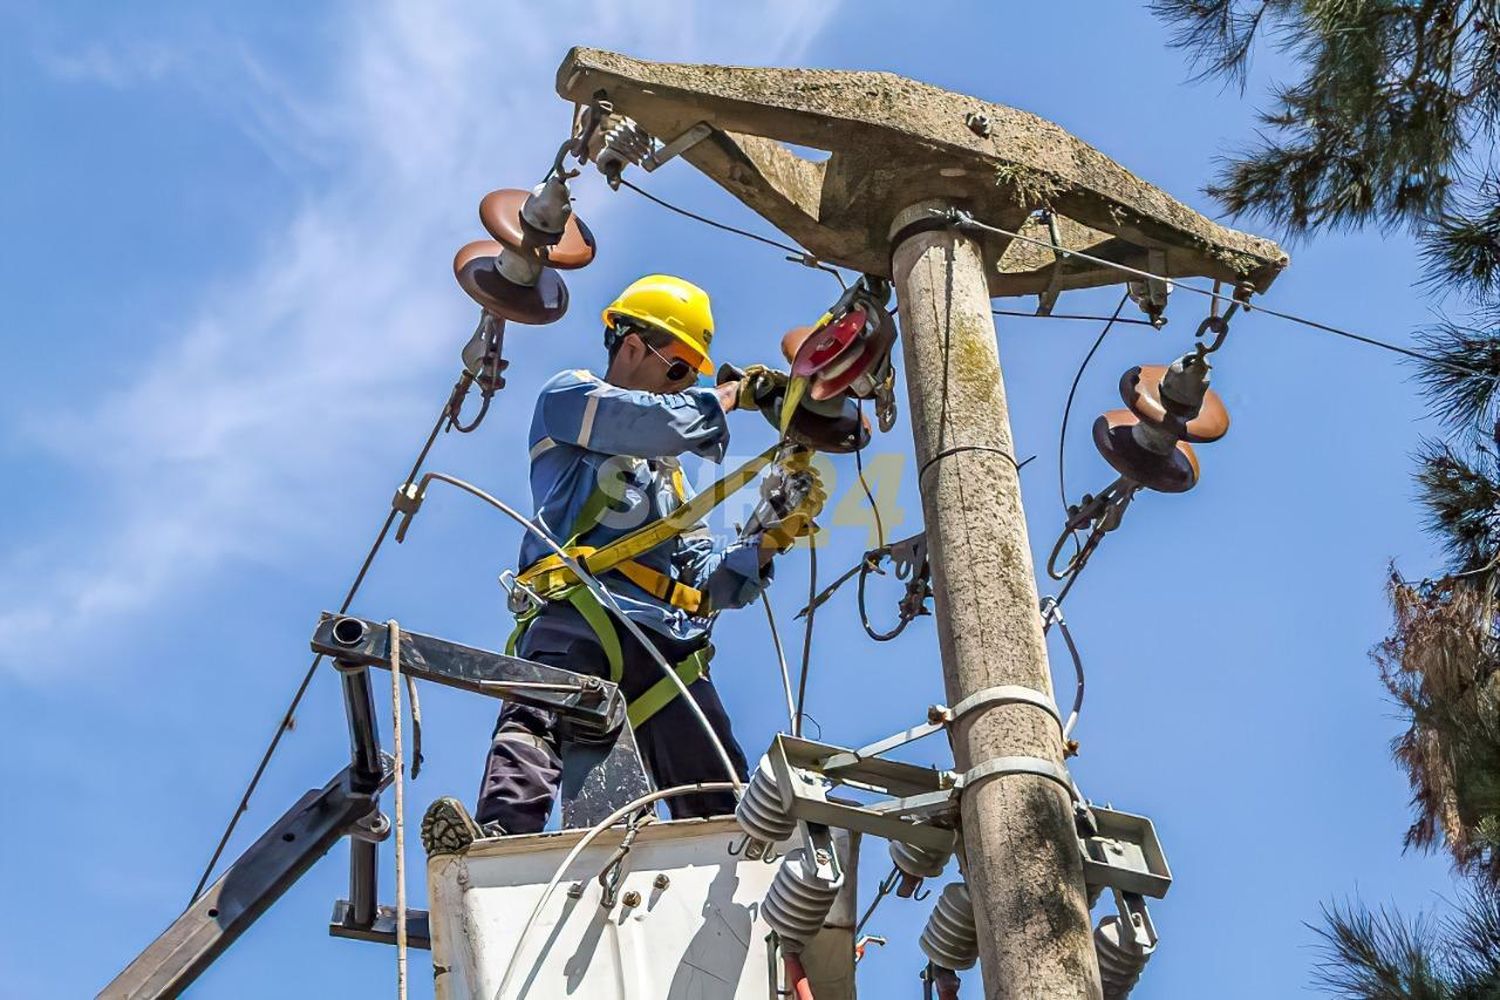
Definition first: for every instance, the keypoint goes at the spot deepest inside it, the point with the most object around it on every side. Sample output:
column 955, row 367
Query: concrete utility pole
column 900, row 149
column 1023, row 866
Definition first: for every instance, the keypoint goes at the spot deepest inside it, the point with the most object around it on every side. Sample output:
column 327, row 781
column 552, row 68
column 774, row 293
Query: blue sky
column 229, row 318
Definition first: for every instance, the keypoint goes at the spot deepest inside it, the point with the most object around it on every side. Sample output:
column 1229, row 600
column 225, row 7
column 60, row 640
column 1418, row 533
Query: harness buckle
column 519, row 598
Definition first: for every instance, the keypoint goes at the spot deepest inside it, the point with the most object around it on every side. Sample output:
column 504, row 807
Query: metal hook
column 736, row 848
column 921, row 894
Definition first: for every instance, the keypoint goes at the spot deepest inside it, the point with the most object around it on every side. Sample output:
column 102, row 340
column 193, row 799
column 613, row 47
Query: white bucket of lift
column 695, row 934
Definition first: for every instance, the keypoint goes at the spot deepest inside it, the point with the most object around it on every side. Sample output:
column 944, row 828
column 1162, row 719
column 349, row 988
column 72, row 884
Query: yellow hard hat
column 671, row 305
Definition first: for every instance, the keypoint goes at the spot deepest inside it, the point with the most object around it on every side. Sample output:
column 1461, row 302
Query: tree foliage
column 1391, row 121
column 1378, row 955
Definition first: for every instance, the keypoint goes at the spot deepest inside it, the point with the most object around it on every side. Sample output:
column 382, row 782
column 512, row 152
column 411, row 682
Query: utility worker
column 605, row 461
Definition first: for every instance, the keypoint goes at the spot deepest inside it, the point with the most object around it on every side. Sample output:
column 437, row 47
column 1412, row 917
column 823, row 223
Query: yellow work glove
column 798, row 522
column 758, row 385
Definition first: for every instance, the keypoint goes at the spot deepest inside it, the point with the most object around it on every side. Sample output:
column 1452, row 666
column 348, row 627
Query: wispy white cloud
column 200, row 458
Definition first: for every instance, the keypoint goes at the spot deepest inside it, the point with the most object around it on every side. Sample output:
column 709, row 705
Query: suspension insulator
column 919, row 862
column 477, row 268
column 1121, row 957
column 950, row 940
column 1168, row 406
column 1142, row 453
column 799, row 900
column 617, row 143
column 760, row 812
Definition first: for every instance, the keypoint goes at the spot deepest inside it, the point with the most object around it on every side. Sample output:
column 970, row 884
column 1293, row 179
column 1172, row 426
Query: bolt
column 934, row 714
column 631, row 898
column 979, row 123
column 575, row 890
column 822, row 857
column 662, row 881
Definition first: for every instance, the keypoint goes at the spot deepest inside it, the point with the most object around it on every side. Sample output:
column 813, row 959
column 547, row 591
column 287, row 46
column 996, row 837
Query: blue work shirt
column 586, row 433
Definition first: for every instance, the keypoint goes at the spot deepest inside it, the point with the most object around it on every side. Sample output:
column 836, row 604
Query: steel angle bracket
column 585, row 701
column 1125, row 855
column 918, row 795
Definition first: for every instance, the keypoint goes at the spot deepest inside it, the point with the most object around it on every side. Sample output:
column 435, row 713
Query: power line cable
column 1072, row 316
column 963, row 219
column 285, row 725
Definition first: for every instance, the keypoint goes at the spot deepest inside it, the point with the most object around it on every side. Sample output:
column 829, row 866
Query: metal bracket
column 383, row 929
column 919, row 792
column 941, row 716
column 677, row 146
column 586, row 701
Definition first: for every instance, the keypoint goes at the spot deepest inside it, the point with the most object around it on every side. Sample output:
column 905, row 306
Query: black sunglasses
column 677, row 369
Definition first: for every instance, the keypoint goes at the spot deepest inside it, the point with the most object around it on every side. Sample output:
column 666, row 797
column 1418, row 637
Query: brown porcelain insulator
column 478, row 274
column 1173, row 472
column 500, row 212
column 1140, row 388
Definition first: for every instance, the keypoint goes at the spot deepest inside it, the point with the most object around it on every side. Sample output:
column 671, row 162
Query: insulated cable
column 807, row 630
column 605, row 598
column 1062, row 434
column 786, row 677
column 583, row 842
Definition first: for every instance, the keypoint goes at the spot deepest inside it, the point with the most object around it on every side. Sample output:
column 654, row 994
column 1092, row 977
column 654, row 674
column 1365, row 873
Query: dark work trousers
column 523, row 770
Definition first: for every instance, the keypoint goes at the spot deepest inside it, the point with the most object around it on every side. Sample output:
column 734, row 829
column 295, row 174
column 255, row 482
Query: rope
column 285, row 725
column 964, row 219
column 398, row 752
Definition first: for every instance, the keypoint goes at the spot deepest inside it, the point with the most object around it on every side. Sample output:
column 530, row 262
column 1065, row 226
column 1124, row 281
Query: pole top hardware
column 894, row 141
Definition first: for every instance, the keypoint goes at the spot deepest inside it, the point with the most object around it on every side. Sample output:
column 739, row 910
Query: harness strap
column 659, row 695
column 550, row 573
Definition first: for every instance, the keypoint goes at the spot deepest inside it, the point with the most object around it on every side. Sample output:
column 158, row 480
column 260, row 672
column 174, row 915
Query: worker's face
column 670, row 367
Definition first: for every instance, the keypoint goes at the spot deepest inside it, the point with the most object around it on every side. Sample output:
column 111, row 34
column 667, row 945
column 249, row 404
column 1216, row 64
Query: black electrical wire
column 859, row 466
column 807, row 632
column 1073, row 316
column 786, row 247
column 285, row 725
column 1062, row 434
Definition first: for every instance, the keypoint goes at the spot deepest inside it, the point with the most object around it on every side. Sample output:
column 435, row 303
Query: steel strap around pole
column 998, row 766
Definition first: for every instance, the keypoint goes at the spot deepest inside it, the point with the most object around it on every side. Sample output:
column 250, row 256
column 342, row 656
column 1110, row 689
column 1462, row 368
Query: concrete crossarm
column 893, row 142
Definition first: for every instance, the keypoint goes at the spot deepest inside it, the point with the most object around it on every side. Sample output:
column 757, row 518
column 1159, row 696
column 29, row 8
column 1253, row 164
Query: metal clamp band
column 997, row 766
column 1004, row 694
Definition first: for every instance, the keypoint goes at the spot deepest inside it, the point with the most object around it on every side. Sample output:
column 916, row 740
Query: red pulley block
column 836, row 355
column 476, row 266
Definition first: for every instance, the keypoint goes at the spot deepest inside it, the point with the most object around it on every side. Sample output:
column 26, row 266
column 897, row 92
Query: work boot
column 447, row 828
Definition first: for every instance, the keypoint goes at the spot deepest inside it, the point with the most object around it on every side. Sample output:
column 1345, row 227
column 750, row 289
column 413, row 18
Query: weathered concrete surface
column 1022, row 860
column 895, row 141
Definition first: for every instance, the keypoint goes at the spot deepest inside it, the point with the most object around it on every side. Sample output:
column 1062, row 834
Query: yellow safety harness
column 552, row 580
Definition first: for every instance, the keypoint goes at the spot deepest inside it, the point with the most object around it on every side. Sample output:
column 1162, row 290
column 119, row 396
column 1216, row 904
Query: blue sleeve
column 730, row 576
column 579, row 409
